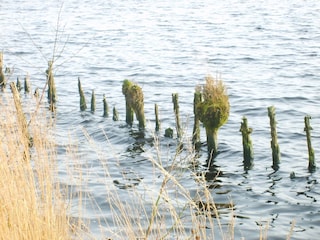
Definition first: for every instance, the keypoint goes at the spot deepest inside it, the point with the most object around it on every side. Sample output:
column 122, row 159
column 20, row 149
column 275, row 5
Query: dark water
column 266, row 52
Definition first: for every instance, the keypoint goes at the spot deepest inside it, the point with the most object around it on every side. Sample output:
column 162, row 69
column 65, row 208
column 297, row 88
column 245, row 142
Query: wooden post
column 18, row 84
column 105, row 107
column 176, row 113
column 247, row 144
column 83, row 104
column 274, row 139
column 27, row 84
column 2, row 77
column 307, row 129
column 51, row 85
column 93, row 102
column 196, row 127
column 115, row 114
column 156, row 111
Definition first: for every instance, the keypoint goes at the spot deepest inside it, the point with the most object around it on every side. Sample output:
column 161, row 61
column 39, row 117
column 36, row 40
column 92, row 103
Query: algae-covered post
column 196, row 126
column 51, row 84
column 247, row 144
column 105, row 107
column 134, row 103
column 176, row 113
column 83, row 104
column 213, row 111
column 93, row 102
column 2, row 77
column 307, row 129
column 156, row 111
column 274, row 139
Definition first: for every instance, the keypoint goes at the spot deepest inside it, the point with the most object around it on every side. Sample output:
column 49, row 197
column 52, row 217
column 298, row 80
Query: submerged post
column 307, row 129
column 51, row 85
column 274, row 139
column 83, row 104
column 196, row 127
column 156, row 111
column 93, row 102
column 105, row 107
column 247, row 144
column 176, row 113
column 2, row 77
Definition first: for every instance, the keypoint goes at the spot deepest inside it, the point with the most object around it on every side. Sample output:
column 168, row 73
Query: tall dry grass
column 31, row 204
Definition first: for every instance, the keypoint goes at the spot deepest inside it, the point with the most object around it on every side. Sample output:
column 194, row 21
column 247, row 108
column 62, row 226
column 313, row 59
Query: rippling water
column 267, row 53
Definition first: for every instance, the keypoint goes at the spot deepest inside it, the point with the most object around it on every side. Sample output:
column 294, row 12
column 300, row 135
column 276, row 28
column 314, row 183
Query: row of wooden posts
column 135, row 105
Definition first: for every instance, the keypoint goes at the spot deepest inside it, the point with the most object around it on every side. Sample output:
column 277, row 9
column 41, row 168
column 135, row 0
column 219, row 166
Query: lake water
column 266, row 52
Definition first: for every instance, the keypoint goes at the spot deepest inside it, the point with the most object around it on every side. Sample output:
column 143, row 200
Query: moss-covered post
column 83, row 104
column 134, row 103
column 51, row 84
column 27, row 84
column 115, row 114
column 274, row 139
column 196, row 126
column 176, row 113
column 93, row 102
column 213, row 111
column 105, row 107
column 247, row 144
column 307, row 129
column 156, row 111
column 2, row 77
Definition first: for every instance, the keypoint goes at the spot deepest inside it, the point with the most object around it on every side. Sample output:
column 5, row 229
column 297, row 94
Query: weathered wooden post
column 51, row 85
column 27, row 84
column 176, row 113
column 115, row 114
column 247, row 144
column 126, row 91
column 93, row 102
column 2, row 77
column 196, row 127
column 18, row 84
column 105, row 107
column 213, row 111
column 274, row 139
column 83, row 104
column 134, row 103
column 307, row 129
column 156, row 111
